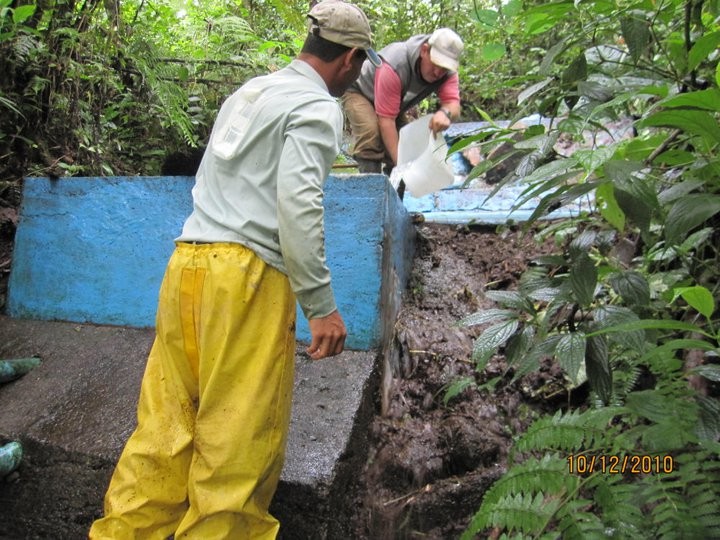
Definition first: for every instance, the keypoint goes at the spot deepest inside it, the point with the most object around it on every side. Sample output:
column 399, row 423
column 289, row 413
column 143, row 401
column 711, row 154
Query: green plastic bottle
column 10, row 457
column 16, row 367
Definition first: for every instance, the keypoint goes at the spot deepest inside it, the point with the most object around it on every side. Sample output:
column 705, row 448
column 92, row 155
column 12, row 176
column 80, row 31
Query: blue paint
column 354, row 220
column 475, row 205
column 95, row 249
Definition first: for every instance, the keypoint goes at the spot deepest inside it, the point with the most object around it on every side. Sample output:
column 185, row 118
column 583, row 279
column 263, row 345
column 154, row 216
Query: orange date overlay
column 620, row 464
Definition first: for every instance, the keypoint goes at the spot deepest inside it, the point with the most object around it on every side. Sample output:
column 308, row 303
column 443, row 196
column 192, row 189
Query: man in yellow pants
column 214, row 408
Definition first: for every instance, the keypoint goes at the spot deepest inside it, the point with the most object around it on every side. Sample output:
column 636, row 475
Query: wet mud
column 430, row 461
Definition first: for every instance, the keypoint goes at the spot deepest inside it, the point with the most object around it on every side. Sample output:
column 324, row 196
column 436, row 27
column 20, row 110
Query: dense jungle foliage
column 627, row 305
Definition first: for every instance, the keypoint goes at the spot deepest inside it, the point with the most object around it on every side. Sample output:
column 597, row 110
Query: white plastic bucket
column 422, row 158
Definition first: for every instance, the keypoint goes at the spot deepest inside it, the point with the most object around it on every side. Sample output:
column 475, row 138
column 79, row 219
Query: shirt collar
column 303, row 68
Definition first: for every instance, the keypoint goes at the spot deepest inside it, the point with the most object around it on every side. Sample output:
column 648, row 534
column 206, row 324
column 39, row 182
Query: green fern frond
column 577, row 523
column 523, row 512
column 670, row 519
column 548, row 474
column 684, row 503
column 708, row 427
column 616, row 502
column 24, row 47
column 516, row 536
column 573, row 430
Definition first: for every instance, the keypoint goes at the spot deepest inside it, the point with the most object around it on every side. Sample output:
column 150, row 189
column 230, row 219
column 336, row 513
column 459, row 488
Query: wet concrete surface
column 75, row 411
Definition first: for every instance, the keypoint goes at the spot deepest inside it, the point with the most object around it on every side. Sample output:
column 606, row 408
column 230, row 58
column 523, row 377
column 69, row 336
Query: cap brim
column 442, row 60
column 373, row 57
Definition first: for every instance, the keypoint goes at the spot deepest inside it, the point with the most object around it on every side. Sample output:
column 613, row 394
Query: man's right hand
column 328, row 336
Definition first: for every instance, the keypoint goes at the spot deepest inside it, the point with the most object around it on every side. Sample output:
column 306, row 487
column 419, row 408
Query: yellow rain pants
column 214, row 408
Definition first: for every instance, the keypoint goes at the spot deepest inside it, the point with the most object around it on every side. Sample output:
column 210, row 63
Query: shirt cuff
column 317, row 303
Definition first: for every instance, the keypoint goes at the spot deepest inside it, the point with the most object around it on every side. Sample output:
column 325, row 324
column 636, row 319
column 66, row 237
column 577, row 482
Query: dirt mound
column 431, row 462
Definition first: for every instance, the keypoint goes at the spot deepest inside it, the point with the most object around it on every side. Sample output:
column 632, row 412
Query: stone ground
column 429, row 463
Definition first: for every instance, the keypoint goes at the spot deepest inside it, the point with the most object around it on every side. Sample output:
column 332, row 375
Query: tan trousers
column 361, row 116
column 214, row 408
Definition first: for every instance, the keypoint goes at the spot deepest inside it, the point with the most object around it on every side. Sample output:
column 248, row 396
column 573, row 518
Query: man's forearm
column 390, row 137
column 453, row 108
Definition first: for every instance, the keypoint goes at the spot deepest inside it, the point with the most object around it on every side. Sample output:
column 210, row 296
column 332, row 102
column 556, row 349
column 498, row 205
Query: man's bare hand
column 439, row 122
column 328, row 336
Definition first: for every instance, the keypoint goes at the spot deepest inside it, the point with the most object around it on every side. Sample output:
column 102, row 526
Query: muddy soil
column 431, row 462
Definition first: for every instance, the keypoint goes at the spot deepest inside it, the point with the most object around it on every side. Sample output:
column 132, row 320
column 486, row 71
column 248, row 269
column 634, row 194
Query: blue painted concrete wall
column 95, row 249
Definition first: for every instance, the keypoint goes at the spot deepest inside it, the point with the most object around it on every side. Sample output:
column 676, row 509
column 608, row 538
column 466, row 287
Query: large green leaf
column 487, row 316
column 679, row 190
column 597, row 366
column 519, row 344
column 576, row 71
column 570, row 353
column 493, row 51
column 583, row 278
column 539, row 351
column 710, row 372
column 532, row 90
column 702, row 48
column 649, row 324
column 594, row 159
column 636, row 33
column 550, row 56
column 582, row 243
column 634, row 194
column 23, row 13
column 511, row 299
column 512, row 8
column 698, row 297
column 609, row 208
column 649, row 404
column 632, row 286
column 635, row 208
column 488, row 17
column 622, row 171
column 705, row 99
column 689, row 212
column 543, row 17
column 492, row 338
column 676, row 345
column 699, row 123
column 607, row 315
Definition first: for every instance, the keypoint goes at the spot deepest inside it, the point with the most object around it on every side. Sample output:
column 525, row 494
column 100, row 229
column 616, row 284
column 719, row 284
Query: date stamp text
column 620, row 464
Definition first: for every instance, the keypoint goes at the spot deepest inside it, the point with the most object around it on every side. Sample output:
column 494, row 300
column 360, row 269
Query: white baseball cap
column 344, row 24
column 445, row 49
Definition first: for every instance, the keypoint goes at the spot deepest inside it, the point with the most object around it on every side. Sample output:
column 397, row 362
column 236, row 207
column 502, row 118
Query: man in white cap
column 411, row 70
column 214, row 407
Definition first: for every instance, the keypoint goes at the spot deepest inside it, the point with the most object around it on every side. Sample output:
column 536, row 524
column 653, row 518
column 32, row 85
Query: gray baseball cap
column 344, row 24
column 445, row 49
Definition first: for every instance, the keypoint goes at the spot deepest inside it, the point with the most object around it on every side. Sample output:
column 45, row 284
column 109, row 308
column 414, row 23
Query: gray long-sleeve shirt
column 260, row 182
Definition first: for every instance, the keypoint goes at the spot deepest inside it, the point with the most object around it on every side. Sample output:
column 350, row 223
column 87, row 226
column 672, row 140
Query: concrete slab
column 74, row 412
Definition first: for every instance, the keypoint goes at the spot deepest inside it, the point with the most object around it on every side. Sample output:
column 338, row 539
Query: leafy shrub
column 628, row 306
